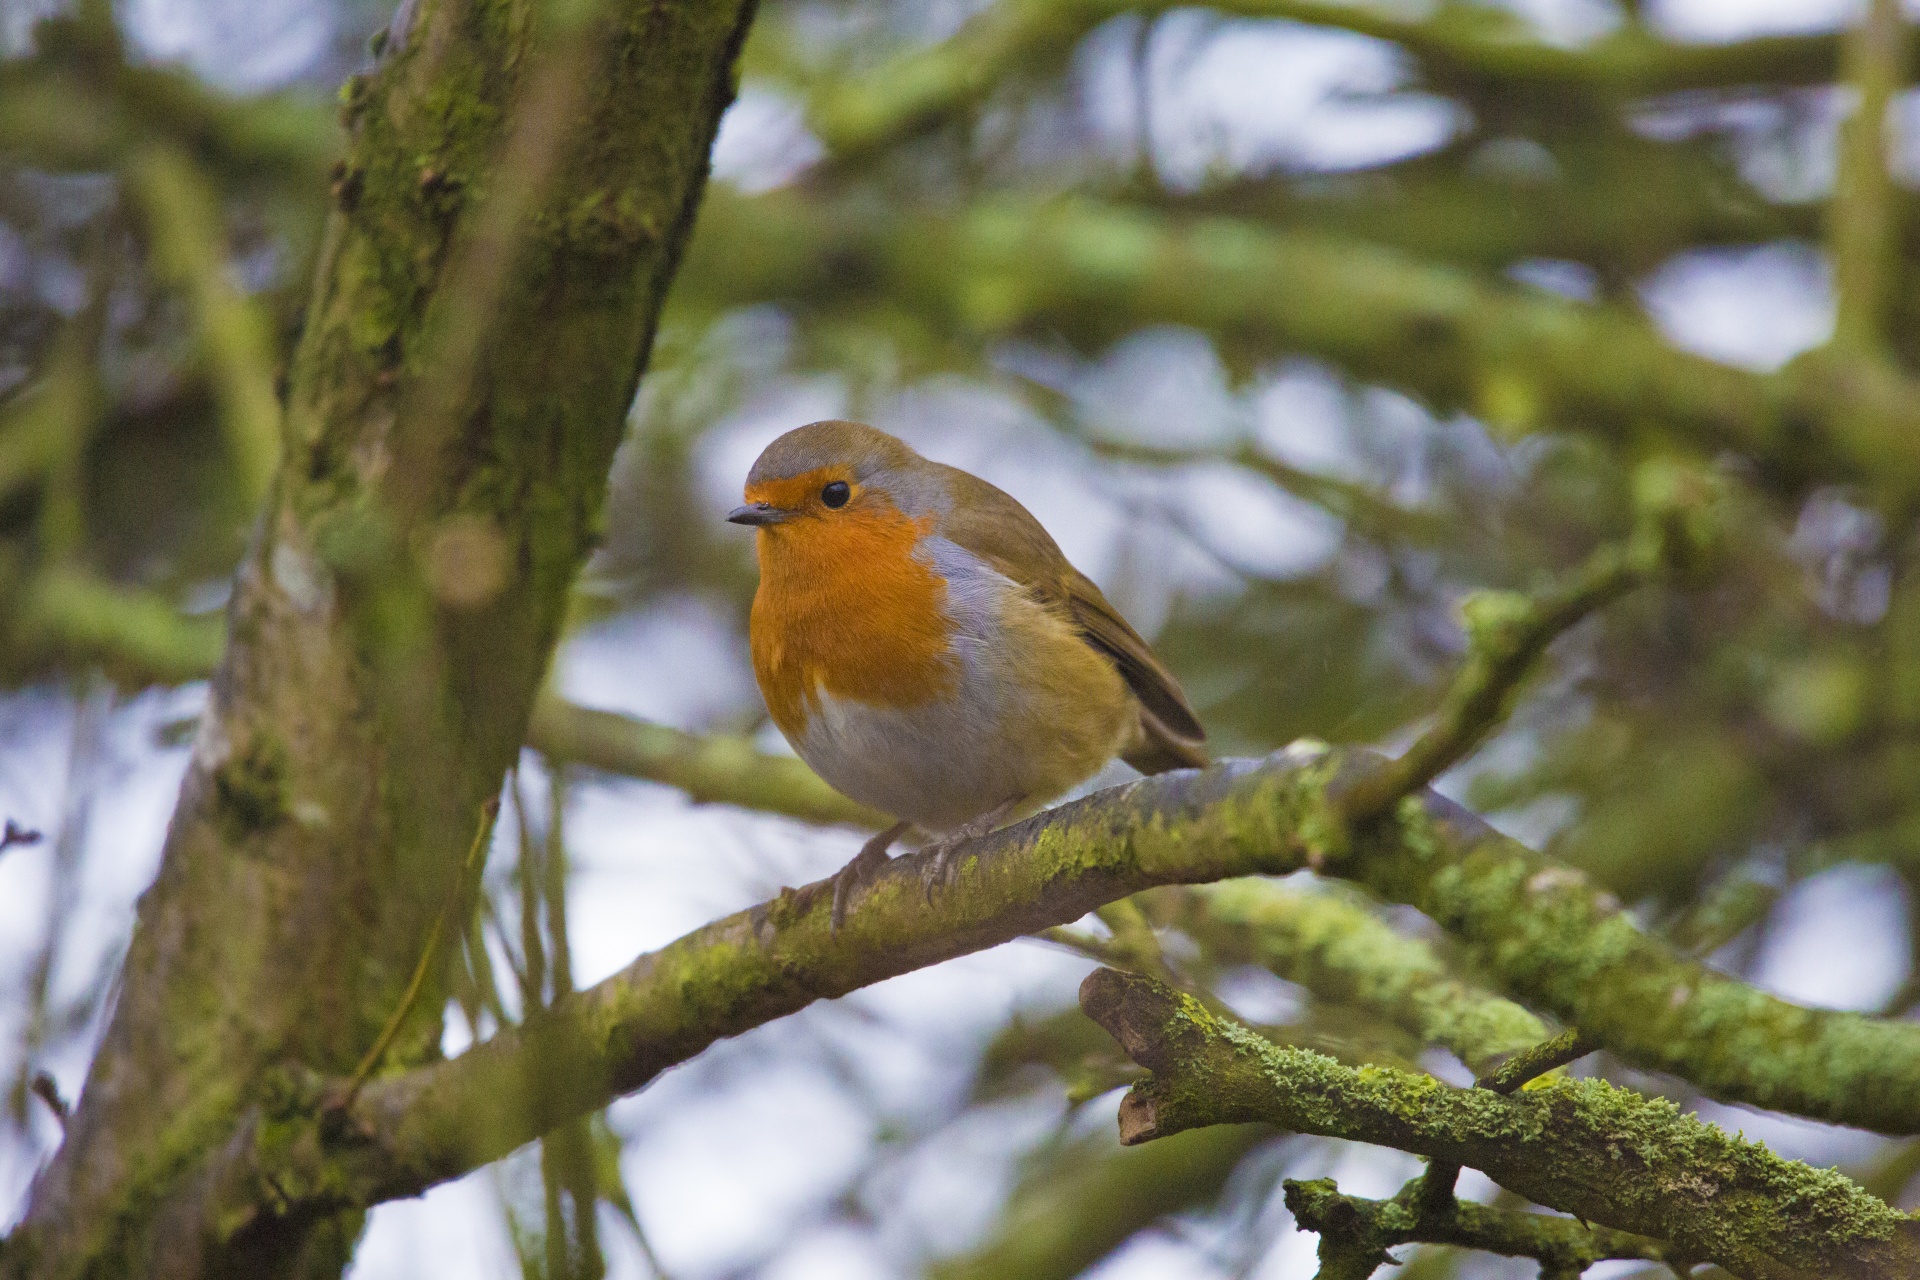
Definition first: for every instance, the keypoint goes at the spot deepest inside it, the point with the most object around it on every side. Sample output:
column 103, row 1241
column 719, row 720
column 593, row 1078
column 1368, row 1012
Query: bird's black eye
column 836, row 494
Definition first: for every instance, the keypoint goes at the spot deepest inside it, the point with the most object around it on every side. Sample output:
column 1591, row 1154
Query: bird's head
column 840, row 472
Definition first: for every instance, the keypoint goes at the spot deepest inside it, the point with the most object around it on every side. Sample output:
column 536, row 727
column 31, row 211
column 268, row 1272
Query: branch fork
column 1606, row 1155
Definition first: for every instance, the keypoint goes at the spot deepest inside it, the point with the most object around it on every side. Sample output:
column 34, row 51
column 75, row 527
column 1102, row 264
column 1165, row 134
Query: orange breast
column 844, row 605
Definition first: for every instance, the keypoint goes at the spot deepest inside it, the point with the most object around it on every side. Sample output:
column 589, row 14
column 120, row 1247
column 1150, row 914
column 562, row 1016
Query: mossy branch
column 1620, row 203
column 70, row 616
column 1343, row 953
column 1362, row 1230
column 77, row 103
column 1543, row 930
column 1535, row 1061
column 1608, row 1155
column 1544, row 934
column 408, row 1131
column 1679, row 528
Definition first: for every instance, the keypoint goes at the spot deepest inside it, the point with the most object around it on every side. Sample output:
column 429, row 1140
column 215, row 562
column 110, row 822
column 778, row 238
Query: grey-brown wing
column 1173, row 737
column 992, row 525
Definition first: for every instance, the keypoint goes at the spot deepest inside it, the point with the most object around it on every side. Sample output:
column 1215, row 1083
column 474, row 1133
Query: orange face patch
column 844, row 605
column 801, row 493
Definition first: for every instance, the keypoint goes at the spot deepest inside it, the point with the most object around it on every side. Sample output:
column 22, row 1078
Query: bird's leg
column 872, row 856
column 938, row 867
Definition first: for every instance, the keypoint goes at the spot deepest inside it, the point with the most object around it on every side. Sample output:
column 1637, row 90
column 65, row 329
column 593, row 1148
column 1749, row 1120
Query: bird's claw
column 864, row 866
column 942, row 864
column 849, row 878
column 939, row 865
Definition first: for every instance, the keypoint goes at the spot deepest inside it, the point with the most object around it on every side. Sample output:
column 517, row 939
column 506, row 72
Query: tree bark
column 1605, row 1154
column 515, row 199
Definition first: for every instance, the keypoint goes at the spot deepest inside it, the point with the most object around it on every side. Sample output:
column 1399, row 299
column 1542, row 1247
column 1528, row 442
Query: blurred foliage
column 959, row 209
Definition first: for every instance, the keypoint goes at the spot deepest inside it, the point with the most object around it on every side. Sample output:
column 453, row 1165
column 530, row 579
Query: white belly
column 936, row 766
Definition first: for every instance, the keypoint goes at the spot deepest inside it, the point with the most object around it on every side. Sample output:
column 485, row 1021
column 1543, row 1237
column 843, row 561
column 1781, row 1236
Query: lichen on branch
column 1585, row 1147
column 408, row 1131
column 1356, row 1232
column 400, row 599
column 1343, row 953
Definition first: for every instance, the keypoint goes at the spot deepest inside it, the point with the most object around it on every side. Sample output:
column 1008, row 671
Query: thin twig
column 1506, row 634
column 1354, row 1230
column 1528, row 1064
column 427, row 953
column 532, row 970
column 1358, row 504
column 15, row 834
column 1433, row 1189
column 45, row 1088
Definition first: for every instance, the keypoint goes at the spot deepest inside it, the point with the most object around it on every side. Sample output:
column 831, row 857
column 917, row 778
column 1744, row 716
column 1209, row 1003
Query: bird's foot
column 938, row 867
column 865, row 865
column 941, row 863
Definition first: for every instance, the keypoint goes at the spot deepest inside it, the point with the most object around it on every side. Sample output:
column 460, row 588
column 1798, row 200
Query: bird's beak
column 758, row 514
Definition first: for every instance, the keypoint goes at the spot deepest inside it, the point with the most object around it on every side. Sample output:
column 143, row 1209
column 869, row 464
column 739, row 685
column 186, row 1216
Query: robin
column 927, row 649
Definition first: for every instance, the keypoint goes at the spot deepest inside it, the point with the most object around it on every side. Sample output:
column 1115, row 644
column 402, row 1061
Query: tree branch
column 1470, row 52
column 1521, row 359
column 140, row 637
column 1072, row 1214
column 69, row 615
column 1541, row 929
column 1365, row 1229
column 1506, row 634
column 184, row 219
column 1343, row 953
column 1544, row 934
column 1063, row 1219
column 1621, row 203
column 397, row 605
column 1534, row 925
column 78, row 103
column 709, row 768
column 1861, row 217
column 1584, row 1147
column 1535, row 1061
column 407, row 1132
column 1368, row 511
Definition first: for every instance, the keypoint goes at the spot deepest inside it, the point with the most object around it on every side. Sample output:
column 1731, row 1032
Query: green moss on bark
column 1606, row 1154
column 363, row 711
column 1342, row 952
column 1550, row 937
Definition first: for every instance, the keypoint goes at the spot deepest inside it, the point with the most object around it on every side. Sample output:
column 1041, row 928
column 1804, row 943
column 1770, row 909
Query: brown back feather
column 993, row 526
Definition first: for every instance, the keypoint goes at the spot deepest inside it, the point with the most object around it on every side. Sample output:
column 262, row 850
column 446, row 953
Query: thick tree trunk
column 451, row 413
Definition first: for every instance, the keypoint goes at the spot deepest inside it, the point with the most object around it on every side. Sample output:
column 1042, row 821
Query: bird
column 925, row 647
